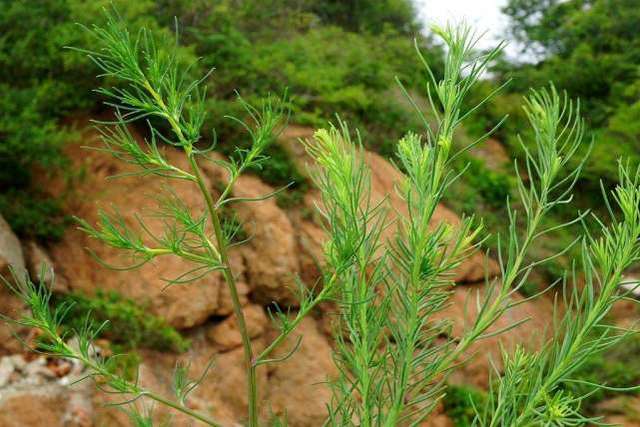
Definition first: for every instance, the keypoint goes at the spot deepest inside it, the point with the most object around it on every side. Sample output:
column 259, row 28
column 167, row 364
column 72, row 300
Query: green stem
column 405, row 373
column 494, row 310
column 559, row 368
column 365, row 347
column 178, row 407
column 222, row 247
column 294, row 324
column 133, row 388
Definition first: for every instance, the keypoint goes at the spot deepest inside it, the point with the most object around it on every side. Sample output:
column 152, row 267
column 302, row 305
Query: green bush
column 494, row 187
column 33, row 215
column 41, row 84
column 460, row 401
column 129, row 326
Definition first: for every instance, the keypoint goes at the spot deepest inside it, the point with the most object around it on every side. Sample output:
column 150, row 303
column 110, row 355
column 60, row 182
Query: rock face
column 182, row 306
column 297, row 387
column 272, row 262
column 283, row 245
column 51, row 405
column 11, row 256
column 226, row 335
column 41, row 269
column 35, row 391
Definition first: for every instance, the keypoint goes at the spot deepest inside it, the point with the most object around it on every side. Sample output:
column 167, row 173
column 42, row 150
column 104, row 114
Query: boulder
column 41, row 268
column 51, row 405
column 297, row 387
column 226, row 335
column 11, row 259
column 182, row 306
column 271, row 257
column 11, row 255
column 225, row 304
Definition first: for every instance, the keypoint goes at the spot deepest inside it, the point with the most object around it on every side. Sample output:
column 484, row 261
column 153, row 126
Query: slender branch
column 297, row 320
column 235, row 299
column 222, row 248
column 132, row 388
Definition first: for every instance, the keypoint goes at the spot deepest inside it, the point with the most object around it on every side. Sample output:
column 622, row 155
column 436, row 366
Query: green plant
column 156, row 88
column 392, row 366
column 616, row 368
column 393, row 363
column 231, row 225
column 412, row 273
column 280, row 171
column 531, row 391
column 42, row 84
column 128, row 324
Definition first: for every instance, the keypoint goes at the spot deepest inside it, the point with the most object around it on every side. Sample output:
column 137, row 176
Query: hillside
column 320, row 62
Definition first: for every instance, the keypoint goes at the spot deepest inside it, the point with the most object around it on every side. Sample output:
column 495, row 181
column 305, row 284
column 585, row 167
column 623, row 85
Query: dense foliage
column 331, row 56
column 42, row 85
column 128, row 325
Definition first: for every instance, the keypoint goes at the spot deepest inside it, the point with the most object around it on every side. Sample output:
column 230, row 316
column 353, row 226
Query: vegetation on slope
column 330, row 56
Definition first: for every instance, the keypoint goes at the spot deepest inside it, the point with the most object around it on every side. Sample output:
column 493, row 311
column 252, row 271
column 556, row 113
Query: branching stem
column 131, row 388
column 233, row 288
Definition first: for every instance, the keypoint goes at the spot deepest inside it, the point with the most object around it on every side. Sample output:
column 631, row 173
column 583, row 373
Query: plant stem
column 294, row 324
column 489, row 315
column 235, row 299
column 183, row 409
column 553, row 377
column 365, row 346
column 221, row 249
column 133, row 388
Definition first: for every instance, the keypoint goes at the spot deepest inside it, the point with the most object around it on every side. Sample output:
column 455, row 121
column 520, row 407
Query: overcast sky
column 484, row 15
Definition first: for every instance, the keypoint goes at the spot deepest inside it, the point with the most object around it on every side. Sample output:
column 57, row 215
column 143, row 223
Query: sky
column 484, row 15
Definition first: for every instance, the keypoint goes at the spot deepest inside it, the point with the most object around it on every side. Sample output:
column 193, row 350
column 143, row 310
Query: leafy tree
column 591, row 48
column 41, row 84
column 368, row 15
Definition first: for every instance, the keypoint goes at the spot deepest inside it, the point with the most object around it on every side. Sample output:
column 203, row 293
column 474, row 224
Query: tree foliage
column 591, row 49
